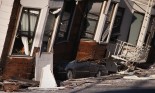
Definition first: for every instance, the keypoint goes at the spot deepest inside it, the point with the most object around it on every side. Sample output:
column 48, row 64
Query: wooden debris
column 10, row 86
column 92, row 80
column 24, row 83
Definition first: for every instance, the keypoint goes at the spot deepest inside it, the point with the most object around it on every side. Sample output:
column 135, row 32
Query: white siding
column 5, row 13
column 7, row 2
column 6, row 8
column 34, row 3
column 4, row 22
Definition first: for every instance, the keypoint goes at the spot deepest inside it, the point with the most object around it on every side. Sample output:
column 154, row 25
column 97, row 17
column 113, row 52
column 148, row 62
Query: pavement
column 107, row 84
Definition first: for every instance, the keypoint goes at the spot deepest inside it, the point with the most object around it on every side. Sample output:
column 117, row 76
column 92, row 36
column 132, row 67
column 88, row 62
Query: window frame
column 17, row 30
column 110, row 23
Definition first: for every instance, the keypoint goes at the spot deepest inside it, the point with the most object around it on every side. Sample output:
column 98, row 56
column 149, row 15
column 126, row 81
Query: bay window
column 26, row 31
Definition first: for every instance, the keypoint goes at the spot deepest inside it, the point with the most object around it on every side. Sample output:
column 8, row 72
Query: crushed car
column 81, row 69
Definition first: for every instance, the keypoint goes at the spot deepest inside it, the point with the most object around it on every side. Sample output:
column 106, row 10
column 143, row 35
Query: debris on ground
column 12, row 85
column 73, row 83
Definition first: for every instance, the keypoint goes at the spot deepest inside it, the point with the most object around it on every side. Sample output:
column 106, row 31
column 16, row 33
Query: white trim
column 145, row 24
column 54, row 33
column 102, row 20
column 40, row 29
column 101, row 23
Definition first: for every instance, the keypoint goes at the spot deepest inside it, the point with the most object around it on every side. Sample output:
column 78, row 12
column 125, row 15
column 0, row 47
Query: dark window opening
column 91, row 19
column 117, row 25
column 108, row 21
column 26, row 31
column 65, row 21
column 49, row 27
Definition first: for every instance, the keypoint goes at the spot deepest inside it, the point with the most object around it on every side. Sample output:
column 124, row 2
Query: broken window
column 49, row 27
column 90, row 21
column 26, row 31
column 65, row 21
column 117, row 25
column 108, row 22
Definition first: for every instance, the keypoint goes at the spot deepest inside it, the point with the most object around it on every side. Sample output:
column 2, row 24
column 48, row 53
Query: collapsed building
column 56, row 31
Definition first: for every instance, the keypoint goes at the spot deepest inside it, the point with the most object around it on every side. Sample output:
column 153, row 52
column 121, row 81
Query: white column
column 102, row 20
column 112, row 22
column 145, row 24
column 54, row 33
column 40, row 28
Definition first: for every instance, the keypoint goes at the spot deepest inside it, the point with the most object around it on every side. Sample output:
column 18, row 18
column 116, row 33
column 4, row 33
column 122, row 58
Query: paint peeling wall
column 5, row 13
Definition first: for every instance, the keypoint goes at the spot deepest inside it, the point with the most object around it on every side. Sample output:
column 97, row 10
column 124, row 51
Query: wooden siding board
column 3, row 29
column 35, row 3
column 8, row 2
column 5, row 15
column 2, row 37
column 6, row 8
column 4, row 22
